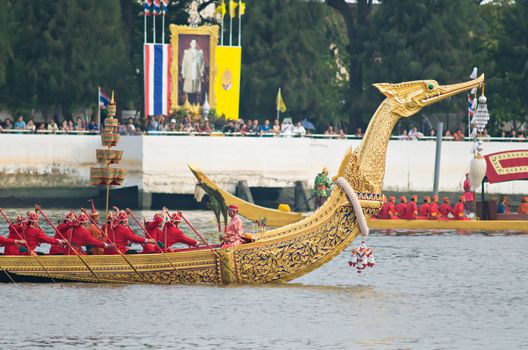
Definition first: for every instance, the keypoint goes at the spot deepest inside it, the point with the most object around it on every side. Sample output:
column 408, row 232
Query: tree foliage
column 54, row 54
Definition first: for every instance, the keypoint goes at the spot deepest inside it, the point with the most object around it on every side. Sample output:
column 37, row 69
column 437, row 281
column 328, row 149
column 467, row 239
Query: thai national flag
column 156, row 10
column 104, row 99
column 157, row 58
column 164, row 7
column 148, row 4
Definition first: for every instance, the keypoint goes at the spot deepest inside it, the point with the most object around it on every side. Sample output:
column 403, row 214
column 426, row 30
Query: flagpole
column 230, row 28
column 239, row 24
column 145, row 27
column 99, row 108
column 163, row 29
column 222, row 29
column 154, row 27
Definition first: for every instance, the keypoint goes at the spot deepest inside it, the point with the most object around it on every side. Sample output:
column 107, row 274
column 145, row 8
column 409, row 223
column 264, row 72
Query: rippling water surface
column 429, row 291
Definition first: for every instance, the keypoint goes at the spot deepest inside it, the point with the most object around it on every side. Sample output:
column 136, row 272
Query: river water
column 441, row 290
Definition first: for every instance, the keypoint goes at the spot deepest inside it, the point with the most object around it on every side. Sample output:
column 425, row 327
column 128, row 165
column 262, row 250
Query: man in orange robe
column 434, row 213
column 96, row 233
column 445, row 208
column 401, row 208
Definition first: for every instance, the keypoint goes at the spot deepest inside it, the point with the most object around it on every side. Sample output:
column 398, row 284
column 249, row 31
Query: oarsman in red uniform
column 458, row 210
column 412, row 208
column 35, row 236
column 433, row 210
column 122, row 234
column 171, row 234
column 11, row 242
column 81, row 237
column 20, row 226
column 153, row 228
column 425, row 208
column 234, row 231
column 65, row 231
column 401, row 208
column 445, row 208
column 388, row 210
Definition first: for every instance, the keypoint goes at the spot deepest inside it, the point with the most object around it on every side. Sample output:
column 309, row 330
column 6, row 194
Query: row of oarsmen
column 431, row 210
column 73, row 233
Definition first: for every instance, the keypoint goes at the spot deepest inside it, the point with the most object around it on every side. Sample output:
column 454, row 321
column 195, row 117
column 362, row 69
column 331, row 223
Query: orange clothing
column 96, row 232
column 523, row 208
column 458, row 211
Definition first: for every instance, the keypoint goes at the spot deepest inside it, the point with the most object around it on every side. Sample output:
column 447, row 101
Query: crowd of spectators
column 188, row 125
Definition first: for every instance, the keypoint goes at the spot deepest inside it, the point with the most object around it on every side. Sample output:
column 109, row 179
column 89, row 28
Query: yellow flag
column 241, row 8
column 232, row 7
column 281, row 107
column 221, row 9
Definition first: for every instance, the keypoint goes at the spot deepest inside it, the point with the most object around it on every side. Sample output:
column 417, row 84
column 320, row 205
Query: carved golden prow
column 403, row 100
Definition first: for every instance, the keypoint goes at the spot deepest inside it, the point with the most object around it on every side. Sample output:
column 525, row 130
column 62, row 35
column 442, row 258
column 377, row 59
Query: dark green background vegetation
column 54, row 54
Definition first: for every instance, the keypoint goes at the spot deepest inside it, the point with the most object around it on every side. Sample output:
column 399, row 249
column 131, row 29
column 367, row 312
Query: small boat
column 277, row 255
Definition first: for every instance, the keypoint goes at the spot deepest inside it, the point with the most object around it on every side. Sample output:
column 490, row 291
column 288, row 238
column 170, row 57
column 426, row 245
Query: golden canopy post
column 106, row 174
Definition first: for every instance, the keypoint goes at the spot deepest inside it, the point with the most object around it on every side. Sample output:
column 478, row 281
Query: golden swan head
column 410, row 97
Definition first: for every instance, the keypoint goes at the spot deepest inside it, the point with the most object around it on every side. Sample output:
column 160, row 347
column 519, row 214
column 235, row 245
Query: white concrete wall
column 46, row 161
column 158, row 164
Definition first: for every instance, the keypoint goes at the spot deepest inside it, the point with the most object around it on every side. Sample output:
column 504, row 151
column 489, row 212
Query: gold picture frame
column 176, row 31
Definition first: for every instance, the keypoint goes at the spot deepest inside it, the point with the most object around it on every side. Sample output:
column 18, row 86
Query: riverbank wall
column 48, row 166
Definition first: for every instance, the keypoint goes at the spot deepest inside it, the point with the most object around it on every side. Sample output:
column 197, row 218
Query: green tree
column 5, row 29
column 507, row 87
column 286, row 44
column 64, row 50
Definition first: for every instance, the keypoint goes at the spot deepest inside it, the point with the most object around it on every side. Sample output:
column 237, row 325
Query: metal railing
column 249, row 134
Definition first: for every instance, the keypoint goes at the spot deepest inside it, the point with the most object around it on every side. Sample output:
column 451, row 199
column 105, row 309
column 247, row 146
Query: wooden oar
column 159, row 248
column 31, row 251
column 37, row 208
column 116, row 248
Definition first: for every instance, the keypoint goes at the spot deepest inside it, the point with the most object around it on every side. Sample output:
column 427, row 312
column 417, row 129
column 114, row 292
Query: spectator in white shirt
column 299, row 130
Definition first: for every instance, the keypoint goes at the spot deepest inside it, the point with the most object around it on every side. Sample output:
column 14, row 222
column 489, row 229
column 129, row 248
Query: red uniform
column 424, row 209
column 401, row 209
column 411, row 211
column 153, row 229
column 434, row 213
column 6, row 241
column 468, row 194
column 458, row 211
column 81, row 237
column 445, row 209
column 121, row 235
column 11, row 249
column 387, row 211
column 35, row 236
column 171, row 235
column 65, row 230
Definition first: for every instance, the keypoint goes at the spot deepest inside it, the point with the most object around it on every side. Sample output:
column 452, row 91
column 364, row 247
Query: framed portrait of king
column 192, row 65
